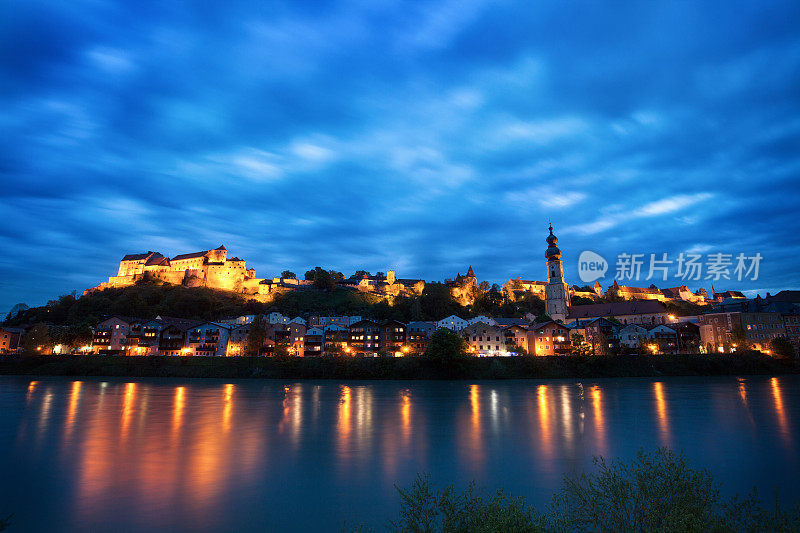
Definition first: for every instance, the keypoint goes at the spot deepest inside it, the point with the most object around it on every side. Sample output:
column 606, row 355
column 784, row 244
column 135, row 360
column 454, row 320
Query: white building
column 482, row 318
column 277, row 318
column 209, row 338
column 632, row 335
column 453, row 323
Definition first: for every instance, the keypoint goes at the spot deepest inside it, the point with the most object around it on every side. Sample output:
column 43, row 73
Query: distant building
column 634, row 293
column 646, row 312
column 464, row 287
column 208, row 268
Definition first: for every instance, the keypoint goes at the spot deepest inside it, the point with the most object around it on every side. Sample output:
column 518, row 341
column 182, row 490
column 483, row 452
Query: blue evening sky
column 418, row 136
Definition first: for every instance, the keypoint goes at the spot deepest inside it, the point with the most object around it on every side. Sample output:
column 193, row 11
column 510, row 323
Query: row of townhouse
column 174, row 336
column 121, row 335
column 754, row 322
column 605, row 336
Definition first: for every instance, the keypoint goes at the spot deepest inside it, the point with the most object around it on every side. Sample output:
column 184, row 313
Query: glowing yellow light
column 672, row 317
column 186, row 351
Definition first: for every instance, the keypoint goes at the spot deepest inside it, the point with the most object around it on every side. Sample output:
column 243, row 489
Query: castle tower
column 556, row 293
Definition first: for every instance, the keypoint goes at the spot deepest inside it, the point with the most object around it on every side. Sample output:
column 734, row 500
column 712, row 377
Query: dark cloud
column 424, row 136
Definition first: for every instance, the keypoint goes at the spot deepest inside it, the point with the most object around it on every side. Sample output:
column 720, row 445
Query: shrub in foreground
column 652, row 492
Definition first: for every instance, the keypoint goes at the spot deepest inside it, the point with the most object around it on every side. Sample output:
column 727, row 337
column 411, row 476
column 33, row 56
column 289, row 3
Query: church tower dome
column 552, row 251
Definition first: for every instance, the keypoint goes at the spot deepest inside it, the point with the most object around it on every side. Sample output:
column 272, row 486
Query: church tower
column 556, row 293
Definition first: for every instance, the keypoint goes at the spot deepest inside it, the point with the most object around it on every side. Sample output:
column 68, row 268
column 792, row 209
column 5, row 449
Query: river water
column 172, row 455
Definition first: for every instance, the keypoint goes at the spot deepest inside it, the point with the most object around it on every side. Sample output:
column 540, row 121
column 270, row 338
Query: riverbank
column 752, row 363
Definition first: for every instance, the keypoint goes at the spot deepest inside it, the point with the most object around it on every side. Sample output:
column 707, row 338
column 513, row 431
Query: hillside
column 148, row 300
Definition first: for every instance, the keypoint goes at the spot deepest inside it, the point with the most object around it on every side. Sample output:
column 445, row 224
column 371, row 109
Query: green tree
column 579, row 346
column 426, row 508
column 37, row 340
column 782, row 348
column 739, row 337
column 288, row 274
column 446, row 345
column 484, row 286
column 256, row 337
column 361, row 274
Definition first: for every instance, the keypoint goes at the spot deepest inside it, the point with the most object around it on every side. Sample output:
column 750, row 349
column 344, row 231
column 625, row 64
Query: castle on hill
column 209, row 268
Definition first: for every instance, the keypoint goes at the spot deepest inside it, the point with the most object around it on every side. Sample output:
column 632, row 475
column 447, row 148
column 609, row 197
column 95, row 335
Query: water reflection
column 661, row 410
column 74, row 398
column 545, row 432
column 127, row 407
column 143, row 450
column 599, row 420
column 777, row 395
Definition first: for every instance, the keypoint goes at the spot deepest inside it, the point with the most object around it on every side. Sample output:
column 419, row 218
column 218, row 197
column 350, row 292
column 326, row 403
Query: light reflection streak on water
column 742, row 391
column 661, row 410
column 475, row 434
column 364, row 417
column 128, row 400
column 599, row 420
column 227, row 400
column 783, row 422
column 31, row 389
column 405, row 414
column 544, row 422
column 566, row 415
column 177, row 410
column 74, row 398
column 344, row 423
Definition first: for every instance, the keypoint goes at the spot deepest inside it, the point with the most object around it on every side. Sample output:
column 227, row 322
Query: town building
column 10, row 339
column 516, row 336
column 208, row 338
column 365, row 338
column 418, row 333
column 337, row 338
column 662, row 339
column 484, row 339
column 453, row 323
column 632, row 336
column 482, row 318
column 645, row 312
column 549, row 338
column 393, row 338
column 315, row 341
